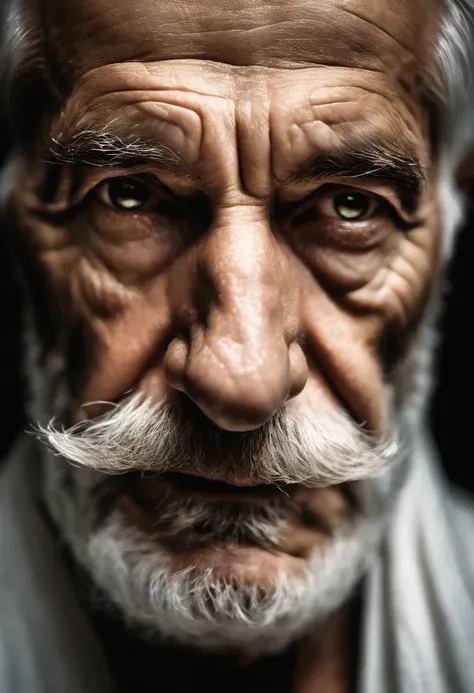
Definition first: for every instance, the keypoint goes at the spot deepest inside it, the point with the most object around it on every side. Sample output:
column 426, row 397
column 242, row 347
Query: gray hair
column 455, row 52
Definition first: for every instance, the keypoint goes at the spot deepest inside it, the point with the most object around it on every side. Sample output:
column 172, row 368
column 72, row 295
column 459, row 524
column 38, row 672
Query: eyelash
column 296, row 213
column 102, row 189
column 160, row 198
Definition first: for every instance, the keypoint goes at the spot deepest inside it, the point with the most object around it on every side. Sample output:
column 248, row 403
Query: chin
column 235, row 592
column 190, row 551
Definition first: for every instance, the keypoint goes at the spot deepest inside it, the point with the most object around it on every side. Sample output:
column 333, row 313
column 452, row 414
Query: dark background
column 451, row 411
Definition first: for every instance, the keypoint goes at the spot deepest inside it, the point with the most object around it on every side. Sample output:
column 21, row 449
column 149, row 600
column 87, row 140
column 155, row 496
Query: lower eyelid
column 360, row 236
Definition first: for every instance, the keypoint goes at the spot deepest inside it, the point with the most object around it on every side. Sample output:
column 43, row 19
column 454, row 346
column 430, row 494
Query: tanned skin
column 237, row 286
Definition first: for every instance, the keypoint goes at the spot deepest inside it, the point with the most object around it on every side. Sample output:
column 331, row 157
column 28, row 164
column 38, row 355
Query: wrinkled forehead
column 383, row 35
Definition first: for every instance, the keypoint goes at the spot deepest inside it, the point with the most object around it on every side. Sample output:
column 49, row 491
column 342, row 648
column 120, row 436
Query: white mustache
column 138, row 434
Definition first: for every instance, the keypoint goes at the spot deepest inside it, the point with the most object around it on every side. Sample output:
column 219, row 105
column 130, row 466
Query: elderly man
column 230, row 220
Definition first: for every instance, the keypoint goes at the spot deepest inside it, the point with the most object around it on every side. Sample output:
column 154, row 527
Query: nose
column 235, row 350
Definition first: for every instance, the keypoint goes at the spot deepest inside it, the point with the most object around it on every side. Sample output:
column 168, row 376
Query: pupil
column 351, row 205
column 127, row 194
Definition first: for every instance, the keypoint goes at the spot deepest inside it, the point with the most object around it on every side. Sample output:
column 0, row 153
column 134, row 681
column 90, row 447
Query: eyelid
column 160, row 193
column 326, row 206
column 386, row 206
column 84, row 183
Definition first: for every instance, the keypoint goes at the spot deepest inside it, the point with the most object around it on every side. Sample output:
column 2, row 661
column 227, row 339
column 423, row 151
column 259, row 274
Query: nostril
column 237, row 419
column 175, row 363
column 298, row 370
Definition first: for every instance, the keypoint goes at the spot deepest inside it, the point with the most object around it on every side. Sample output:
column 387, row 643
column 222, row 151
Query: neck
column 323, row 661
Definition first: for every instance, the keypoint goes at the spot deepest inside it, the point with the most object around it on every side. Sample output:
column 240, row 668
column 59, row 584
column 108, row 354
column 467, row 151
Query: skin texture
column 228, row 300
column 239, row 289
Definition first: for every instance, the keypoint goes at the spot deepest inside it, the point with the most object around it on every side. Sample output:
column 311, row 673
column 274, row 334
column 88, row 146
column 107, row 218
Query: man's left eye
column 126, row 194
column 350, row 206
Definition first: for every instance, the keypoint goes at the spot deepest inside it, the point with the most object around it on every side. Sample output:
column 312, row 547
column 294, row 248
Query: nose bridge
column 239, row 262
column 236, row 364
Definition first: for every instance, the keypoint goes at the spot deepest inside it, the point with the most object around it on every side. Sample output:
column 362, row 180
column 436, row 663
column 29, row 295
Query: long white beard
column 207, row 611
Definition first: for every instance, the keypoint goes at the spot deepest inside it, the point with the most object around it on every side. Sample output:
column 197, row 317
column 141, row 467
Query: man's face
column 236, row 210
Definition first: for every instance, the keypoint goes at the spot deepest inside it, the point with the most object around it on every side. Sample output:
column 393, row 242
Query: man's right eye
column 127, row 195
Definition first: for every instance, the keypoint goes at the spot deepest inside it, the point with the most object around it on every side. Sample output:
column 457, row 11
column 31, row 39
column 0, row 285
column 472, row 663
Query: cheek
column 130, row 346
column 354, row 304
column 402, row 283
column 341, row 348
column 113, row 298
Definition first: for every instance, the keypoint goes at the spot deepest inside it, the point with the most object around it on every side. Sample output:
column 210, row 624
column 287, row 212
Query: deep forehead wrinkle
column 357, row 33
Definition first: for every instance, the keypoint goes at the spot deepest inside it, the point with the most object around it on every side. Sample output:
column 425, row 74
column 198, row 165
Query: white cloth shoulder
column 46, row 642
column 419, row 617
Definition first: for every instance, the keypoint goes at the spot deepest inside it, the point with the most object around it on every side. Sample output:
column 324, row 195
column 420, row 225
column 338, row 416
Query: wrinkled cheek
column 340, row 350
column 129, row 348
column 106, row 332
column 409, row 280
column 356, row 337
column 344, row 270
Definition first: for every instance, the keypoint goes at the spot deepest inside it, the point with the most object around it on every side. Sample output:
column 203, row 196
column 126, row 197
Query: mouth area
column 187, row 482
column 148, row 490
column 153, row 492
column 186, row 513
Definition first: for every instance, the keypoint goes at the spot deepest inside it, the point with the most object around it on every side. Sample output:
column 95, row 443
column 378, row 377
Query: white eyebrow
column 104, row 148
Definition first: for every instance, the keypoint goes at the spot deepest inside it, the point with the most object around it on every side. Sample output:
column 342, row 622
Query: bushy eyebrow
column 376, row 158
column 357, row 156
column 103, row 148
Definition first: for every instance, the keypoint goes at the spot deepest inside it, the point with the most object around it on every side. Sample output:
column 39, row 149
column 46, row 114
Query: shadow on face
column 235, row 216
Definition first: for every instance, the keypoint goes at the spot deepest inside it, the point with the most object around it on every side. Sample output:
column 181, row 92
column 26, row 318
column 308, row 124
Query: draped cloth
column 417, row 624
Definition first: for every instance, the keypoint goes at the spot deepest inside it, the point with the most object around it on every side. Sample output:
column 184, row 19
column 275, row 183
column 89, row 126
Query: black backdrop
column 451, row 415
